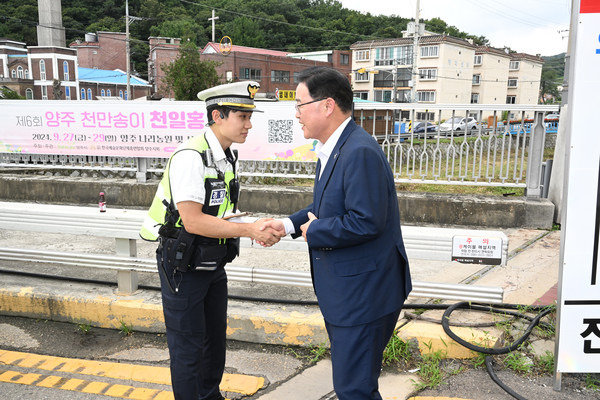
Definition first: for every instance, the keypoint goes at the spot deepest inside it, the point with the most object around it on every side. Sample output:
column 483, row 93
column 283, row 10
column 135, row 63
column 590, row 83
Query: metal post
column 536, row 155
column 142, row 173
column 127, row 281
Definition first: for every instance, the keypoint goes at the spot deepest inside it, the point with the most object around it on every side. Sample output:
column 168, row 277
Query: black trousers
column 196, row 321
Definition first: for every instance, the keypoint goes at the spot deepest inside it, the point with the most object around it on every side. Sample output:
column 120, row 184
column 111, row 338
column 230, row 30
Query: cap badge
column 252, row 90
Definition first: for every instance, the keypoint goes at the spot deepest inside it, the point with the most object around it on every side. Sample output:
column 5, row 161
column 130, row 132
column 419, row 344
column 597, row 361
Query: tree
column 9, row 94
column 188, row 75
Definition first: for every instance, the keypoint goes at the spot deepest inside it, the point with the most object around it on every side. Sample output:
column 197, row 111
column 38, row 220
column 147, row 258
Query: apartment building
column 448, row 70
column 490, row 76
column 524, row 77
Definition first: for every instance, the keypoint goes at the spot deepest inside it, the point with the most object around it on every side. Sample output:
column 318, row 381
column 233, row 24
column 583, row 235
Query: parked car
column 424, row 129
column 552, row 116
column 421, row 127
column 459, row 124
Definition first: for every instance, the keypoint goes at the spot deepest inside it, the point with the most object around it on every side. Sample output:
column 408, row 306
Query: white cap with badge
column 238, row 96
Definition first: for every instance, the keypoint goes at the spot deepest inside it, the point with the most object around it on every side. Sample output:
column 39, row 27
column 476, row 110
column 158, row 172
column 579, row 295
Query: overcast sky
column 526, row 26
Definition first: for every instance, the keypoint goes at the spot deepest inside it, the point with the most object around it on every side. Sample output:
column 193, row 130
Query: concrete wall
column 415, row 208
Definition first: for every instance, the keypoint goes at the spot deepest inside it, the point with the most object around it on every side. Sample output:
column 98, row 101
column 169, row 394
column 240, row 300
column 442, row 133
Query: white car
column 458, row 124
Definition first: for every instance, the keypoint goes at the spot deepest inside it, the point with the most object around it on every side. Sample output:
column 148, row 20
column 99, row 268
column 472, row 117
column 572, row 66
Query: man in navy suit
column 358, row 262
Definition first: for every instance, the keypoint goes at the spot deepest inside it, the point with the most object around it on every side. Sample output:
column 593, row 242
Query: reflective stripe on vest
column 157, row 212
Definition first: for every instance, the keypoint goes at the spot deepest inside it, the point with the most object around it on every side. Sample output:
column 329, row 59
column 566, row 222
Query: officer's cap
column 237, row 96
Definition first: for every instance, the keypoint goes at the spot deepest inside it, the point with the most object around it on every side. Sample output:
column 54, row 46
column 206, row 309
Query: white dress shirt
column 323, row 151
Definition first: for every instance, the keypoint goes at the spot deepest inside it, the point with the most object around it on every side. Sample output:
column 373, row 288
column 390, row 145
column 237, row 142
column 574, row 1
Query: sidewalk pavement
column 529, row 277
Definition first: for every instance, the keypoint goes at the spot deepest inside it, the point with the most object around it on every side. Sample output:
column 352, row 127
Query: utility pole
column 128, row 20
column 213, row 19
column 415, row 71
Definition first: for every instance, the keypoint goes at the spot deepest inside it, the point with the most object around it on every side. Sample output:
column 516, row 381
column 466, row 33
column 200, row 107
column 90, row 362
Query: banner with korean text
column 140, row 129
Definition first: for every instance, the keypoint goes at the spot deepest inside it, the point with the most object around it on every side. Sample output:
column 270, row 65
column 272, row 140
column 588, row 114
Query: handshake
column 268, row 231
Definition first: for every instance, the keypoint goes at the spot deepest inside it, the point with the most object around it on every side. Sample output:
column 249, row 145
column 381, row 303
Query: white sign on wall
column 579, row 301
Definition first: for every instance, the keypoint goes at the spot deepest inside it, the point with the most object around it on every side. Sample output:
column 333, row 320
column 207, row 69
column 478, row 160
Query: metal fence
column 505, row 147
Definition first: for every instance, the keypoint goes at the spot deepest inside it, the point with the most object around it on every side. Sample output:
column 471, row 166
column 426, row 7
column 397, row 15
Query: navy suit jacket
column 358, row 262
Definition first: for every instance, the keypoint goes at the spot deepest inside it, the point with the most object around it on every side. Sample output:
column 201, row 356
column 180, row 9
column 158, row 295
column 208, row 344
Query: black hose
column 501, row 350
column 492, row 374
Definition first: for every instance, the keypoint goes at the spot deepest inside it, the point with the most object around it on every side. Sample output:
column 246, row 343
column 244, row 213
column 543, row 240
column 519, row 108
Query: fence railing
column 504, row 147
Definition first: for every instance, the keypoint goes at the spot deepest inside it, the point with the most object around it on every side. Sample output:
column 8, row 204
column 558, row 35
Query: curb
column 100, row 306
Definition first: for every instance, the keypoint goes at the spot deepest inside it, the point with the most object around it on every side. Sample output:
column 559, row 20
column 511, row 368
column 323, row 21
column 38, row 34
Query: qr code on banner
column 280, row 131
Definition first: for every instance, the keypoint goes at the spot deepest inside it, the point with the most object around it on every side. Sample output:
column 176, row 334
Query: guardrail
column 426, row 243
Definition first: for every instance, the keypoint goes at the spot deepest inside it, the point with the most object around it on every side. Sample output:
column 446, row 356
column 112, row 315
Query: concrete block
column 432, row 338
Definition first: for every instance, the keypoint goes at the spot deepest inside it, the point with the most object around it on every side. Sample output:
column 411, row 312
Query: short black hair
column 323, row 82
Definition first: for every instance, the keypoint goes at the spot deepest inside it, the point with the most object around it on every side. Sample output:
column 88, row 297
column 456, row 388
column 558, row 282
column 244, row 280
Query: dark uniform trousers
column 357, row 354
column 196, row 321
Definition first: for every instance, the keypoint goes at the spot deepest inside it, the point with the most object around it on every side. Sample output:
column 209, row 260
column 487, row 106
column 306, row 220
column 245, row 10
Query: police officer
column 198, row 189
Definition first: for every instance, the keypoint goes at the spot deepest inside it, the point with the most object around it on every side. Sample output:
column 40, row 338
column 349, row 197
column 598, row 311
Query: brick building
column 32, row 71
column 102, row 49
column 276, row 71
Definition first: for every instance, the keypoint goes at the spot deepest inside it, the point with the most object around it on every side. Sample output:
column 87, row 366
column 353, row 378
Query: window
column 27, row 74
column 361, row 95
column 108, row 92
column 474, row 98
column 280, row 76
column 426, row 97
column 477, row 59
column 361, row 77
column 401, row 55
column 477, row 79
column 29, row 94
column 430, row 51
column 514, row 65
column 428, row 74
column 250, row 73
column 425, row 116
column 13, row 74
column 89, row 94
column 42, row 70
column 121, row 93
column 102, row 92
column 65, row 71
column 384, row 56
column 126, row 95
column 511, row 99
column 362, row 55
column 82, row 94
column 512, row 82
column 344, row 59
column 404, row 55
column 67, row 93
column 44, row 93
column 383, row 95
column 20, row 72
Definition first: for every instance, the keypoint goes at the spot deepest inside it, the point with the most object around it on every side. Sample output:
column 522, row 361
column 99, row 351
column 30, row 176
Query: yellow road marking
column 79, row 385
column 244, row 384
